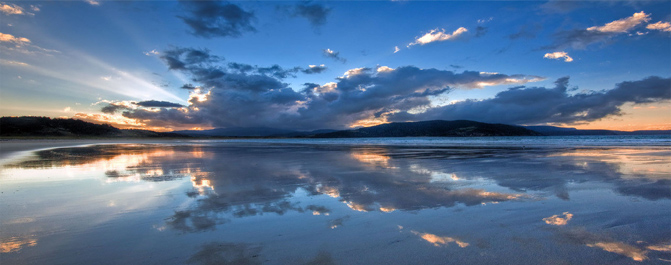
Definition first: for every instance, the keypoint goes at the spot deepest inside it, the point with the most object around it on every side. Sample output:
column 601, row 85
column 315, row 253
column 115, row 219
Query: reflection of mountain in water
column 238, row 180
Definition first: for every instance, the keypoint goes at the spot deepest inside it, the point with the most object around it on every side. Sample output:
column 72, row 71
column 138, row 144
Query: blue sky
column 73, row 58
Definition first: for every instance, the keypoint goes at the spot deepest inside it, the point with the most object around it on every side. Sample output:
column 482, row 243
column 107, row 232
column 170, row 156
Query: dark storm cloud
column 249, row 96
column 313, row 12
column 157, row 104
column 538, row 105
column 209, row 19
column 328, row 53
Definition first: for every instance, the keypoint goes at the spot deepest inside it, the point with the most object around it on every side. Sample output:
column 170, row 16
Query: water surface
column 340, row 202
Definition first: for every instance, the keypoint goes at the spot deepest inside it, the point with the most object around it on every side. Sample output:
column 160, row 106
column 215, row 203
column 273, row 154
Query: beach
column 356, row 201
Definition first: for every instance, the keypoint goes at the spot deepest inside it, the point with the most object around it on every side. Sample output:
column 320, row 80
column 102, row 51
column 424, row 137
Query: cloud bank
column 539, row 105
column 229, row 94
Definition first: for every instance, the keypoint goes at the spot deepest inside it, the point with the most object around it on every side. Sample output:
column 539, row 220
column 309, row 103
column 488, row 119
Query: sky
column 175, row 65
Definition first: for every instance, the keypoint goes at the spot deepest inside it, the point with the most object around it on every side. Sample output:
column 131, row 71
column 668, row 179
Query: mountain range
column 48, row 127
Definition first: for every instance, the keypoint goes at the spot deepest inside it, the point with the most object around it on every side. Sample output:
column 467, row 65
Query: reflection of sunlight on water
column 556, row 220
column 371, row 159
column 440, row 240
column 15, row 244
column 125, row 161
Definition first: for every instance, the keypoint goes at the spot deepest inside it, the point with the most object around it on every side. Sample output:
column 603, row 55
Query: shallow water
column 288, row 202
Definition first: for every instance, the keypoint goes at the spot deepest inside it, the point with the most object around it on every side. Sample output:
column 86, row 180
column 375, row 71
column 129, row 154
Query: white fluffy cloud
column 11, row 39
column 93, row 2
column 662, row 26
column 622, row 25
column 12, row 9
column 152, row 52
column 559, row 55
column 438, row 35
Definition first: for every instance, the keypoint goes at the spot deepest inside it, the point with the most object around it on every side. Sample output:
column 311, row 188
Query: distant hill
column 237, row 132
column 48, row 127
column 251, row 132
column 563, row 131
column 458, row 128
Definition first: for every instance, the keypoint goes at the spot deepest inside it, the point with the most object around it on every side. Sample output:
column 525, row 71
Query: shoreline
column 11, row 149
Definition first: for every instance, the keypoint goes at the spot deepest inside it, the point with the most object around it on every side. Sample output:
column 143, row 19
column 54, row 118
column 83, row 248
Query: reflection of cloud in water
column 660, row 247
column 338, row 222
column 387, row 209
column 107, row 157
column 557, row 220
column 322, row 258
column 630, row 251
column 583, row 237
column 13, row 244
column 330, row 191
column 318, row 210
column 189, row 221
column 203, row 185
column 357, row 207
column 226, row 253
column 440, row 240
column 436, row 176
column 631, row 163
column 253, row 179
column 23, row 220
